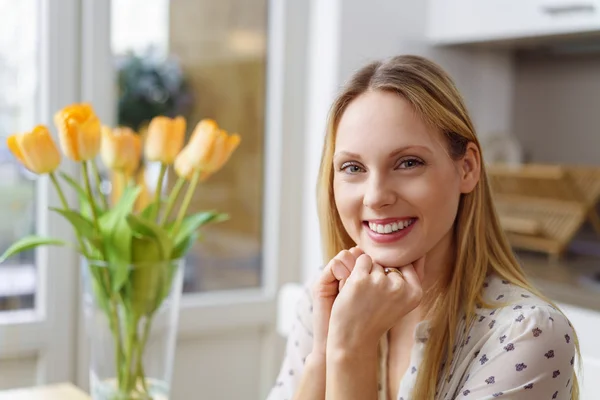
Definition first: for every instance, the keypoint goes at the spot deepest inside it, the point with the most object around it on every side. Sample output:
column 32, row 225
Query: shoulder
column 524, row 322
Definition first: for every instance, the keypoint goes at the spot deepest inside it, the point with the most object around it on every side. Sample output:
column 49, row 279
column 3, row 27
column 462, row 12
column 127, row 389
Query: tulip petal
column 13, row 146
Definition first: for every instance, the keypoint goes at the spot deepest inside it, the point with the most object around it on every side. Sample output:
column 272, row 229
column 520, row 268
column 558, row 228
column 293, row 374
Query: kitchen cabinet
column 478, row 21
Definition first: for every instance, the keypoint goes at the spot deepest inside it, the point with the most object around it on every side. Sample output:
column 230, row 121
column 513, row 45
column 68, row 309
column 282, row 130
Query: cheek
column 436, row 199
column 348, row 202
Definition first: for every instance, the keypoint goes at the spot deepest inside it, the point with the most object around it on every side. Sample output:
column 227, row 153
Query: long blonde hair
column 481, row 245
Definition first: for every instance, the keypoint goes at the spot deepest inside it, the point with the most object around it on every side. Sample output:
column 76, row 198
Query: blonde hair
column 481, row 246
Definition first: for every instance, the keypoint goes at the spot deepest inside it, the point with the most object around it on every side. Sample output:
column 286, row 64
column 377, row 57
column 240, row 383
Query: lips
column 389, row 230
column 389, row 225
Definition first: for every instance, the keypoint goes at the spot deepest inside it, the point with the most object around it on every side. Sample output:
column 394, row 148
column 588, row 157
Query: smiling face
column 396, row 188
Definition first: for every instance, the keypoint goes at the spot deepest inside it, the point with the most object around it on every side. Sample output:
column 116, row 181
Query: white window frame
column 47, row 332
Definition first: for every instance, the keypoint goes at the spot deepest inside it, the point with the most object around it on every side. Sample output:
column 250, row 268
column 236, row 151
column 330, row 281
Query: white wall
column 346, row 35
column 556, row 107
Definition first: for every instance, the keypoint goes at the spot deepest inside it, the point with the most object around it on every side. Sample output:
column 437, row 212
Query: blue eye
column 410, row 163
column 351, row 168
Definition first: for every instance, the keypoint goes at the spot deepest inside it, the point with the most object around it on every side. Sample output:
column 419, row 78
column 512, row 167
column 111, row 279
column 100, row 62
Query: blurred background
column 269, row 69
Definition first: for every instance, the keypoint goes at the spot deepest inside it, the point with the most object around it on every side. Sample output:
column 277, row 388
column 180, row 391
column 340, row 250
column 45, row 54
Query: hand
column 325, row 291
column 373, row 302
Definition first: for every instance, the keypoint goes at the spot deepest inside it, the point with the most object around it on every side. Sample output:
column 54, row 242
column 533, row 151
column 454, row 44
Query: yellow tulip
column 209, row 147
column 164, row 139
column 36, row 150
column 121, row 149
column 79, row 131
column 183, row 165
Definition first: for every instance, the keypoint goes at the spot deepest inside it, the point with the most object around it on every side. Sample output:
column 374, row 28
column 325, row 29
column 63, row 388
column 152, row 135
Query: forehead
column 382, row 119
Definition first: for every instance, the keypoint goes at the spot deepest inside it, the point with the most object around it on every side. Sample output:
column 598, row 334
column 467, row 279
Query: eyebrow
column 391, row 155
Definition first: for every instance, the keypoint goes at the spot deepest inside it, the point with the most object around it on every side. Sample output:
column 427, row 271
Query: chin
column 391, row 257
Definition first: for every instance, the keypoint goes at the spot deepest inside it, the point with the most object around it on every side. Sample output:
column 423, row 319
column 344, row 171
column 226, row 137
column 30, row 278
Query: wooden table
column 62, row 391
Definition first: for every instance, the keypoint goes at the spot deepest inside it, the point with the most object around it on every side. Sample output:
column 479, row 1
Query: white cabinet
column 587, row 325
column 473, row 21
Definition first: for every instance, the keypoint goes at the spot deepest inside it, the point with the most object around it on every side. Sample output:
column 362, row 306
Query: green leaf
column 147, row 278
column 82, row 225
column 149, row 210
column 191, row 223
column 153, row 231
column 181, row 248
column 84, row 202
column 117, row 236
column 118, row 252
column 27, row 243
column 110, row 219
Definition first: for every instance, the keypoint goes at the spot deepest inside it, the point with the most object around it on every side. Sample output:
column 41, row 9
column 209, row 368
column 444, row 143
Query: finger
column 363, row 266
column 419, row 266
column 341, row 285
column 326, row 285
column 339, row 270
column 327, row 275
column 410, row 275
column 356, row 252
column 377, row 271
column 397, row 278
column 347, row 259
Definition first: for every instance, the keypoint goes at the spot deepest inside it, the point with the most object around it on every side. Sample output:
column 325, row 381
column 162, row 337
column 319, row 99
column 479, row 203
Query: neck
column 439, row 263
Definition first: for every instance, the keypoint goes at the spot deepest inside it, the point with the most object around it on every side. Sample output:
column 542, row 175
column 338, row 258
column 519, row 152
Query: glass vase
column 131, row 316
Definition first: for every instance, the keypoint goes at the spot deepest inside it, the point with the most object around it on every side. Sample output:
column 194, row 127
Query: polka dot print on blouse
column 521, row 350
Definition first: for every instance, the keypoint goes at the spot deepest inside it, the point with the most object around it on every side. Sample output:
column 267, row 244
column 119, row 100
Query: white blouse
column 522, row 351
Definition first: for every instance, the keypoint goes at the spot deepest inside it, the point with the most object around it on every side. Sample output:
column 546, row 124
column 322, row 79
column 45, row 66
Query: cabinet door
column 556, row 17
column 472, row 21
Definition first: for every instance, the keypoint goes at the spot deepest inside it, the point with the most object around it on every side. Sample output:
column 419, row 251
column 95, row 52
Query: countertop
column 567, row 280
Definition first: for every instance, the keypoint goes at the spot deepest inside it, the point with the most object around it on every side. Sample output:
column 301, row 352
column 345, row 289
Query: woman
column 421, row 296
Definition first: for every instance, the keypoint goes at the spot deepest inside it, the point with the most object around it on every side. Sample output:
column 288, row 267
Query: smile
column 390, row 227
column 390, row 230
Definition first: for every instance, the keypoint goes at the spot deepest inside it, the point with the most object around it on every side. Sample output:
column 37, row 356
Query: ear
column 470, row 168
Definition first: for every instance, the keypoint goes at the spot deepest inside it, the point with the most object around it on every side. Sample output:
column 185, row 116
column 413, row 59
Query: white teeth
column 389, row 228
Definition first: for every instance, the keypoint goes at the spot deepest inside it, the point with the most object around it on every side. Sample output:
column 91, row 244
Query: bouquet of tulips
column 135, row 226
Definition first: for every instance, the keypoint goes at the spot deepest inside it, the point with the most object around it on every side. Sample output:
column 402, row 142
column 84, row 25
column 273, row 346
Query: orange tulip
column 36, row 150
column 121, row 149
column 79, row 131
column 164, row 139
column 210, row 147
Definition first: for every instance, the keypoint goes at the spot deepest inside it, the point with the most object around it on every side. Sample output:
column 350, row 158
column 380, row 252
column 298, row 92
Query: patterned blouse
column 521, row 351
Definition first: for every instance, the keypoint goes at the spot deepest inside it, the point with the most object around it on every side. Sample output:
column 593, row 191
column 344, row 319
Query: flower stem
column 114, row 312
column 99, row 184
column 88, row 188
column 65, row 205
column 158, row 191
column 172, row 199
column 141, row 347
column 186, row 201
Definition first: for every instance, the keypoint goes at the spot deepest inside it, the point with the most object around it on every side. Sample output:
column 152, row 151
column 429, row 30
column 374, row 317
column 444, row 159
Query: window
column 204, row 59
column 19, row 78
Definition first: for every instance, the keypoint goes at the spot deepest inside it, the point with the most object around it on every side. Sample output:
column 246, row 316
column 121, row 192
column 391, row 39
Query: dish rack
column 542, row 206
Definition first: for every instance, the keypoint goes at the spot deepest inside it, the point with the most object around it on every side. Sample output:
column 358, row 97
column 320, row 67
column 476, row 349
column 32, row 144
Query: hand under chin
column 392, row 260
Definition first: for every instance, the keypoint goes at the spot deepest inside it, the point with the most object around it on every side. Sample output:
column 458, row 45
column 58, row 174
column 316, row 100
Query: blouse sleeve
column 298, row 347
column 530, row 357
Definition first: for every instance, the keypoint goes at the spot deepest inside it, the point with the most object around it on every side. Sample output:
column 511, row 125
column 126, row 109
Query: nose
column 379, row 192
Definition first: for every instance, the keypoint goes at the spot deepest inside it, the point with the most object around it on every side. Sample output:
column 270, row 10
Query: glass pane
column 203, row 59
column 19, row 49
